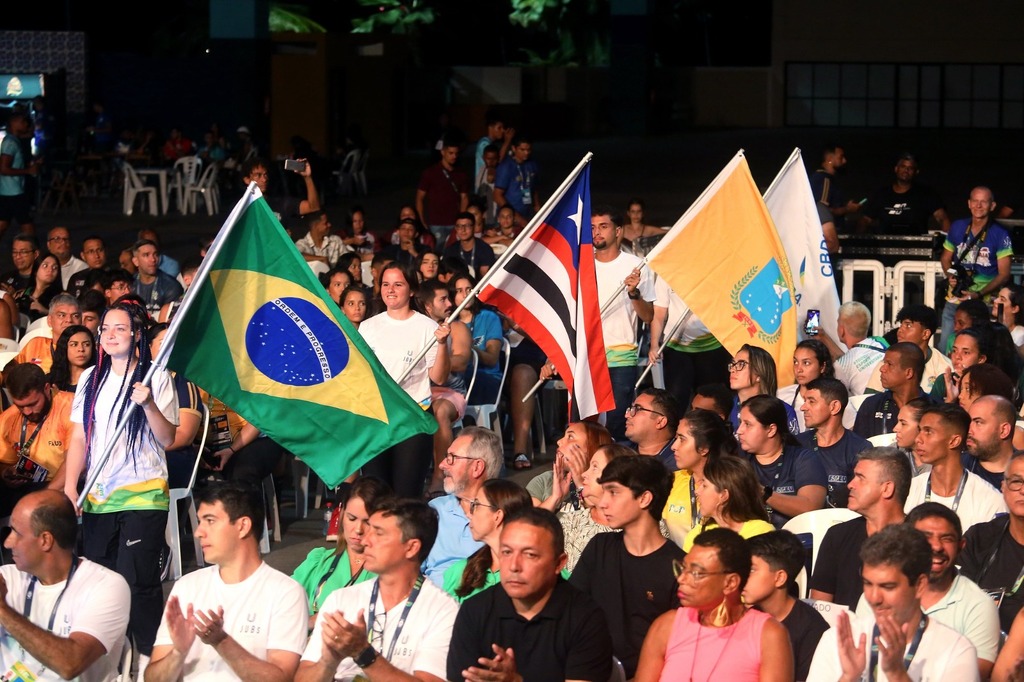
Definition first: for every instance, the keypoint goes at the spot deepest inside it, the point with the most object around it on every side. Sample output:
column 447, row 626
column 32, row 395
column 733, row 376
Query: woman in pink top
column 713, row 636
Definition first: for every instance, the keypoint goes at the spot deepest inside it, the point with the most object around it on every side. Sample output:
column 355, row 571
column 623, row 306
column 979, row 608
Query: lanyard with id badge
column 19, row 671
column 999, row 593
column 26, row 468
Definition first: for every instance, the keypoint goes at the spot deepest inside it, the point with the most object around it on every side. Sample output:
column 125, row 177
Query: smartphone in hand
column 295, row 165
column 813, row 324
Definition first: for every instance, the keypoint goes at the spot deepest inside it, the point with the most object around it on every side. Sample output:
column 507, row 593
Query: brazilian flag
column 258, row 331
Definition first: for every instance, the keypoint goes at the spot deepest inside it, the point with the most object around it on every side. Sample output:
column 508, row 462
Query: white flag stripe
column 791, row 204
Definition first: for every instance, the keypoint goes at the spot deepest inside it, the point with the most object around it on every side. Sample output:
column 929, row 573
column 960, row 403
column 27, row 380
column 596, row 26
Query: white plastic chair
column 207, row 188
column 6, row 356
column 178, row 494
column 883, row 440
column 812, row 526
column 487, row 415
column 124, row 673
column 134, row 187
column 348, row 184
column 272, row 512
column 37, row 324
column 186, row 175
column 28, row 336
column 300, row 476
column 9, row 344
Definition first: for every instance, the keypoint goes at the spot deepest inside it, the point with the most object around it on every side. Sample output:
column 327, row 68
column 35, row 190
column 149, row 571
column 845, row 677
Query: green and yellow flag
column 258, row 331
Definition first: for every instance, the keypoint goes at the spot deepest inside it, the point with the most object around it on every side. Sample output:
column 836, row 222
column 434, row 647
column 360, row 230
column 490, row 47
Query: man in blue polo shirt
column 515, row 182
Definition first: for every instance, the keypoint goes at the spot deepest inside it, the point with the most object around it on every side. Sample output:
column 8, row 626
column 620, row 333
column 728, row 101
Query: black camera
column 964, row 280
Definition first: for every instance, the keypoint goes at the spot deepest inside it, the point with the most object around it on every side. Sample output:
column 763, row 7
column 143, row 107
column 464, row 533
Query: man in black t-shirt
column 905, row 206
column 878, row 491
column 993, row 554
column 533, row 626
column 630, row 573
column 776, row 560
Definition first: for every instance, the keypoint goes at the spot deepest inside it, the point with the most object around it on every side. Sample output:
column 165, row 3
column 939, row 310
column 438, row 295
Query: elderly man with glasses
column 474, row 457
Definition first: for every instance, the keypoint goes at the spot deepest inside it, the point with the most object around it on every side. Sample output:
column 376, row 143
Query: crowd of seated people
column 663, row 543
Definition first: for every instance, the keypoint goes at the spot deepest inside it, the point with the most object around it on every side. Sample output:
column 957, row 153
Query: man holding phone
column 287, row 208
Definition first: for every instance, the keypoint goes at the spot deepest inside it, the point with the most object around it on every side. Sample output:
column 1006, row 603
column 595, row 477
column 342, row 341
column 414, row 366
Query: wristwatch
column 366, row 658
column 633, row 295
column 766, row 493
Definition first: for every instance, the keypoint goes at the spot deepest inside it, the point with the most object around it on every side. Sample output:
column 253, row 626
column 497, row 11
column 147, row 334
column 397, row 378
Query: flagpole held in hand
column 96, row 466
column 661, row 349
column 535, row 221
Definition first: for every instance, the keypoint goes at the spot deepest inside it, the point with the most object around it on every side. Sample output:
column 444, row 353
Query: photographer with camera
column 975, row 256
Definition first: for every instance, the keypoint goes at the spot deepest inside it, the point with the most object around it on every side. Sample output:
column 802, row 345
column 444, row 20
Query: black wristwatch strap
column 366, row 658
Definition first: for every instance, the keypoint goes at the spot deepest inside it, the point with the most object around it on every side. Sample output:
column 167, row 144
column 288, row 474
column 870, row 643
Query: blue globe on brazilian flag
column 258, row 331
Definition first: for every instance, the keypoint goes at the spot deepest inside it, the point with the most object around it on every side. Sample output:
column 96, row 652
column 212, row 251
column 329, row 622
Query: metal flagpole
column 661, row 349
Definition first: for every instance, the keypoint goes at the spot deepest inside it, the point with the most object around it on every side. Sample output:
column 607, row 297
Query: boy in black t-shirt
column 776, row 560
column 630, row 573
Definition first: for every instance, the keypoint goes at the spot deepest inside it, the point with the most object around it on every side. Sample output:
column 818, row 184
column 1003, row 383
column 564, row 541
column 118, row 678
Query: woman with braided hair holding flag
column 125, row 512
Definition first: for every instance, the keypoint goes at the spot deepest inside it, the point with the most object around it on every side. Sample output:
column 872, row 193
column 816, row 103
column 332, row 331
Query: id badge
column 527, row 196
column 18, row 672
column 220, row 431
column 37, row 473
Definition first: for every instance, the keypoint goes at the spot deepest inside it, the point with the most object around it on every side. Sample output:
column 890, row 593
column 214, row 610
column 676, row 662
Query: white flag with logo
column 791, row 205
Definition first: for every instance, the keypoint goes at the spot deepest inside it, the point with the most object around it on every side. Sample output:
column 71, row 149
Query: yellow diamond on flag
column 284, row 342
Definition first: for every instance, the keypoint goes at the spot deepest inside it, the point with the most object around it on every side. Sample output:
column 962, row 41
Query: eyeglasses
column 259, row 175
column 1014, row 484
column 634, row 408
column 58, row 239
column 737, row 365
column 678, row 569
column 92, row 251
column 451, row 457
column 474, row 503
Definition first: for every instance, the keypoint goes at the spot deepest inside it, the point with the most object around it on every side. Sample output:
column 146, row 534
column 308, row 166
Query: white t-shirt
column 97, row 603
column 265, row 612
column 856, row 366
column 979, row 502
column 967, row 609
column 693, row 335
column 74, row 265
column 943, row 654
column 396, row 343
column 619, row 320
column 148, row 470
column 423, row 642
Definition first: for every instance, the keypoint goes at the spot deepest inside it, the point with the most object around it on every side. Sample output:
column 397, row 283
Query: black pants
column 686, row 371
column 404, row 466
column 254, row 462
column 130, row 542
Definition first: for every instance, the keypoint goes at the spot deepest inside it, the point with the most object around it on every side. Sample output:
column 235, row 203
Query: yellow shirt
column 50, row 446
column 748, row 530
column 679, row 508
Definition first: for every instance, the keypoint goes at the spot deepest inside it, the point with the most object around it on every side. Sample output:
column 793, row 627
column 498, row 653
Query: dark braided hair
column 138, row 322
